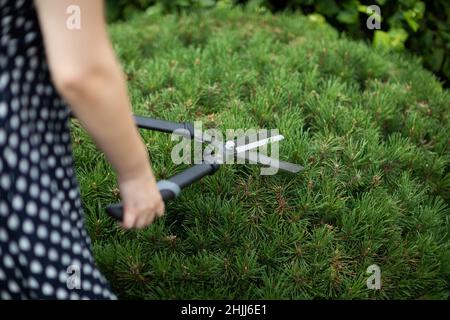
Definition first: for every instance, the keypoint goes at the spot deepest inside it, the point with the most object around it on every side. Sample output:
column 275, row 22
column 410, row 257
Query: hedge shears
column 214, row 156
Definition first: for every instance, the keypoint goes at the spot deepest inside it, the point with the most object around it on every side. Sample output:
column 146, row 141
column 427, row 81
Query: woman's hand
column 141, row 199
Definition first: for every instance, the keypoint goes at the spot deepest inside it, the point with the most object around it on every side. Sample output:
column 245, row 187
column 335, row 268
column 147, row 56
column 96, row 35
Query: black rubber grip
column 182, row 180
column 116, row 210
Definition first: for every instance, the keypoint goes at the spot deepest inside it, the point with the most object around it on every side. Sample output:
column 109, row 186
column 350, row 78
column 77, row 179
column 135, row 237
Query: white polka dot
column 73, row 193
column 16, row 75
column 66, row 185
column 24, row 147
column 29, row 75
column 48, row 137
column 45, row 180
column 86, row 253
column 36, row 266
column 65, row 137
column 44, row 149
column 76, row 248
column 59, row 173
column 47, row 289
column 75, row 233
column 4, row 211
column 34, row 173
column 34, row 190
column 61, row 294
column 39, row 249
column 55, row 220
column 65, row 259
column 14, row 87
column 24, row 131
column 10, row 156
column 65, row 243
column 5, row 295
column 65, row 226
column 97, row 289
column 51, row 161
column 34, row 157
column 52, row 254
column 13, row 140
column 7, row 20
column 4, row 79
column 40, row 88
column 45, row 196
column 74, row 296
column 17, row 202
column 13, row 286
column 13, row 248
column 62, row 277
column 56, row 204
column 86, row 285
column 33, row 283
column 107, row 294
column 40, row 125
column 19, row 22
column 35, row 101
column 24, row 243
column 31, row 208
column 28, row 226
column 21, row 184
column 5, row 181
column 44, row 214
column 23, row 260
column 42, row 232
column 3, row 235
column 8, row 261
column 13, row 222
column 55, row 237
column 14, row 123
column 24, row 166
column 33, row 63
column 51, row 272
column 96, row 274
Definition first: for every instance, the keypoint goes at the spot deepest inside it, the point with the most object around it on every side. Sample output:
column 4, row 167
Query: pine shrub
column 370, row 127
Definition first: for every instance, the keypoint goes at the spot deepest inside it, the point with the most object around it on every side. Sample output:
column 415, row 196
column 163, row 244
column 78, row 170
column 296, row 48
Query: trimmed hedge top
column 371, row 129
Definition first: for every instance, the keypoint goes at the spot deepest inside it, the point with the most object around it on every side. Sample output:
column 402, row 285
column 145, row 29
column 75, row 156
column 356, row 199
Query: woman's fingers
column 129, row 218
column 140, row 218
column 160, row 210
column 142, row 200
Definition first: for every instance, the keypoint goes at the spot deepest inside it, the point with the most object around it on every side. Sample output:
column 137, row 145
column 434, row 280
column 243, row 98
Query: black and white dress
column 45, row 252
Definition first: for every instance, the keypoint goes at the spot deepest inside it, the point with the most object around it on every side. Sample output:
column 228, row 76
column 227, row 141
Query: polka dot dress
column 45, row 252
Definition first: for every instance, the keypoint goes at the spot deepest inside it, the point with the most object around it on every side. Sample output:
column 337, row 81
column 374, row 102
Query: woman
column 44, row 64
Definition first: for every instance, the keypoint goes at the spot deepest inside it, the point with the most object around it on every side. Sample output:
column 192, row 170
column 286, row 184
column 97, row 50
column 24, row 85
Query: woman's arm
column 87, row 74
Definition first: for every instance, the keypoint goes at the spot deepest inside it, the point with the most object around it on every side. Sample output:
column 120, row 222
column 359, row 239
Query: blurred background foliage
column 420, row 27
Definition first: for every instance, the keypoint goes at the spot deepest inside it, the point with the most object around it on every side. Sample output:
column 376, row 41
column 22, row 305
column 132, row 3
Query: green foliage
column 120, row 9
column 370, row 127
column 423, row 27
